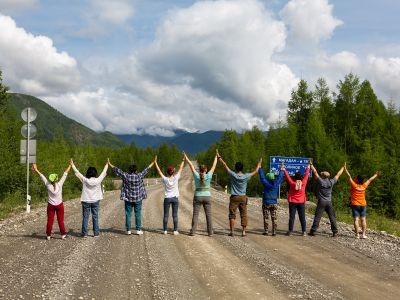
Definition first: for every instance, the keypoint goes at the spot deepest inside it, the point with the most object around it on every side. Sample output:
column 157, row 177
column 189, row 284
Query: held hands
column 34, row 168
column 283, row 164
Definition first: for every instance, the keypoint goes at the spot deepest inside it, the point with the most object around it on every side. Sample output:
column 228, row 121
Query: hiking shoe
column 129, row 232
column 312, row 233
column 139, row 232
column 230, row 234
column 176, row 232
column 191, row 233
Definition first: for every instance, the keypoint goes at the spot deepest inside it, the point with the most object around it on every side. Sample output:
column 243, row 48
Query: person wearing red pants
column 55, row 204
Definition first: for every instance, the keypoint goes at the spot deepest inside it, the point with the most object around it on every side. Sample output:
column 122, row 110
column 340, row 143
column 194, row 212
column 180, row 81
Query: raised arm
column 76, row 171
column 373, row 177
column 314, row 170
column 158, row 169
column 287, row 176
column 109, row 163
column 190, row 163
column 182, row 164
column 64, row 177
column 307, row 173
column 263, row 180
column 257, row 168
column 339, row 173
column 222, row 162
column 214, row 164
column 103, row 173
column 152, row 163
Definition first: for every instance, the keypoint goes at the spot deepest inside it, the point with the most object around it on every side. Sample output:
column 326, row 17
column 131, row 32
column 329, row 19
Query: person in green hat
column 55, row 202
column 270, row 198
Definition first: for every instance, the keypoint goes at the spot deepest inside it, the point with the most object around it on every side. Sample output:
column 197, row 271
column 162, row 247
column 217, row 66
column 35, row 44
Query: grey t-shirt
column 325, row 188
column 239, row 183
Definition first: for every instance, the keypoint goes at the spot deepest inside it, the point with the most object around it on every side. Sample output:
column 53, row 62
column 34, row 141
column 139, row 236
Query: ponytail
column 203, row 170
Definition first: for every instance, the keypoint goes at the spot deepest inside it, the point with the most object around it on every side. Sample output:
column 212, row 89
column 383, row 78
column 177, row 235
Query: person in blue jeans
column 133, row 193
column 92, row 194
column 171, row 193
column 270, row 198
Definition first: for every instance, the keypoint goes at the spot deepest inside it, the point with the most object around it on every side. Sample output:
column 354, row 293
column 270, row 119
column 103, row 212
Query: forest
column 333, row 127
column 349, row 125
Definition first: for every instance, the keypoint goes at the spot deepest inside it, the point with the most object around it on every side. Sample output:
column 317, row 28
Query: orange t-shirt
column 358, row 193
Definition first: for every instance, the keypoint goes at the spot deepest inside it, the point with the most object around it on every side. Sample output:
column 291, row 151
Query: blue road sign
column 292, row 164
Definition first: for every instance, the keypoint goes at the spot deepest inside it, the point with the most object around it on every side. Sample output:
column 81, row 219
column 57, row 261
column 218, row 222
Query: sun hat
column 53, row 177
column 270, row 176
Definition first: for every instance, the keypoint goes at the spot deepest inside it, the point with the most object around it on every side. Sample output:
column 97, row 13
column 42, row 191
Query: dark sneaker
column 288, row 233
column 334, row 234
column 312, row 233
column 265, row 233
column 273, row 233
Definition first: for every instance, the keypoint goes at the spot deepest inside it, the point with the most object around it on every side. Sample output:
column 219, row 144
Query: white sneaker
column 139, row 232
column 48, row 237
column 129, row 232
column 64, row 237
column 364, row 237
column 165, row 232
column 176, row 232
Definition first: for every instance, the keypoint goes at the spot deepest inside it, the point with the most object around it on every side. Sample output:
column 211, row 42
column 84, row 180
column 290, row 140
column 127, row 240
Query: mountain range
column 51, row 122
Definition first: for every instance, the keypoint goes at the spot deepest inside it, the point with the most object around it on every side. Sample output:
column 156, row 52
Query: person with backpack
column 297, row 198
column 133, row 193
column 270, row 198
column 324, row 195
column 55, row 205
column 91, row 196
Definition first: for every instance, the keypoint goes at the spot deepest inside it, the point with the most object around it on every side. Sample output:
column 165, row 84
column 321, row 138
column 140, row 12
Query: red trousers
column 51, row 211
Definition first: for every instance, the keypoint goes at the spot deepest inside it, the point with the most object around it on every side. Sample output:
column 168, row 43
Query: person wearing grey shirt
column 325, row 186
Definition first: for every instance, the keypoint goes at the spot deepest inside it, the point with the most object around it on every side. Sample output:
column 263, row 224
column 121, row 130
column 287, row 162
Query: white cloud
column 310, row 21
column 385, row 73
column 102, row 14
column 13, row 6
column 31, row 64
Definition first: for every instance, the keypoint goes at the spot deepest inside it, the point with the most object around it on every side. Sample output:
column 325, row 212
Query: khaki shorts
column 241, row 203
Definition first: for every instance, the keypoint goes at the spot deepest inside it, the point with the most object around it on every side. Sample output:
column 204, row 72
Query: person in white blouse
column 171, row 194
column 55, row 203
column 91, row 196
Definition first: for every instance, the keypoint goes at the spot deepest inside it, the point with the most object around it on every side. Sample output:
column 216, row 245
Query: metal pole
column 28, row 198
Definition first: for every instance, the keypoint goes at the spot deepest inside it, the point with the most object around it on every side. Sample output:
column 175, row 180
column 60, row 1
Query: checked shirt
column 132, row 185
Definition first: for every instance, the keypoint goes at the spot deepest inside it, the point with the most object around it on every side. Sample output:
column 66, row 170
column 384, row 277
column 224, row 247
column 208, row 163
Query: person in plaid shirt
column 133, row 193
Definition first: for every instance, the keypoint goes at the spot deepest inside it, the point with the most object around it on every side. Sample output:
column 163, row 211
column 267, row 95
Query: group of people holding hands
column 133, row 193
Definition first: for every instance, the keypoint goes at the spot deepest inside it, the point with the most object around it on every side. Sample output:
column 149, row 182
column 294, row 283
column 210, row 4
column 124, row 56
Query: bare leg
column 364, row 226
column 356, row 227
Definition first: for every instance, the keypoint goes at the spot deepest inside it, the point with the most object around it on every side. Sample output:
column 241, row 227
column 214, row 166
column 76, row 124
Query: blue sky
column 180, row 62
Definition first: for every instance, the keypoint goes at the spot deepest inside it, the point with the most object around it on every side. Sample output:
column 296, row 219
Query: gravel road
column 158, row 266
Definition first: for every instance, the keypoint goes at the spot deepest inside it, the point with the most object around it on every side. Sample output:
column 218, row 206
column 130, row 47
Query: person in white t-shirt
column 171, row 194
column 91, row 196
column 55, row 205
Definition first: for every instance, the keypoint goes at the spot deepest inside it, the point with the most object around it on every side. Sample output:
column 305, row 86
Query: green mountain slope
column 50, row 121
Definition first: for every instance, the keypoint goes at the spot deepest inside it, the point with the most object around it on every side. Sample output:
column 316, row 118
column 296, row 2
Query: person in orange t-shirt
column 358, row 203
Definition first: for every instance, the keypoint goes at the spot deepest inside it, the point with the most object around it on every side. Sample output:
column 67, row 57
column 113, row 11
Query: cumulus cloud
column 310, row 21
column 102, row 14
column 31, row 64
column 15, row 6
column 385, row 73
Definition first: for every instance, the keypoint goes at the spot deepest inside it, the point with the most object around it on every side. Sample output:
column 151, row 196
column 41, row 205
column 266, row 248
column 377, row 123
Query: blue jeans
column 137, row 206
column 88, row 207
column 175, row 204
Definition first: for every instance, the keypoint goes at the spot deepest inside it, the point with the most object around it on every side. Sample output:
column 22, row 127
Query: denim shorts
column 358, row 211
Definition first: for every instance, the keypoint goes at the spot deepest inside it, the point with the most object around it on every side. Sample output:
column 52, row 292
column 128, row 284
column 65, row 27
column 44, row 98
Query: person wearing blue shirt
column 270, row 198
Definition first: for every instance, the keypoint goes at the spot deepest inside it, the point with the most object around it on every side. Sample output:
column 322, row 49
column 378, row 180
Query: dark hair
column 360, row 179
column 298, row 176
column 202, row 170
column 170, row 172
column 132, row 169
column 91, row 172
column 239, row 167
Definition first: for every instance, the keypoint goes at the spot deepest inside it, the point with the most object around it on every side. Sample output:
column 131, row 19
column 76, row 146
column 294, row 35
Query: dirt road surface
column 158, row 266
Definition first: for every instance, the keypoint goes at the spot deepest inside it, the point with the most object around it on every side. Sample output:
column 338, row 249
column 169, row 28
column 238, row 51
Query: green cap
column 53, row 177
column 270, row 176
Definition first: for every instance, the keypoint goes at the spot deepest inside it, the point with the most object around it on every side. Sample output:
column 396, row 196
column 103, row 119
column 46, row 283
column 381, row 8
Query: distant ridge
column 50, row 121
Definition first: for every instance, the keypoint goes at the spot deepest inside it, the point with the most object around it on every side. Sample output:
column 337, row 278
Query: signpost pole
column 28, row 197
